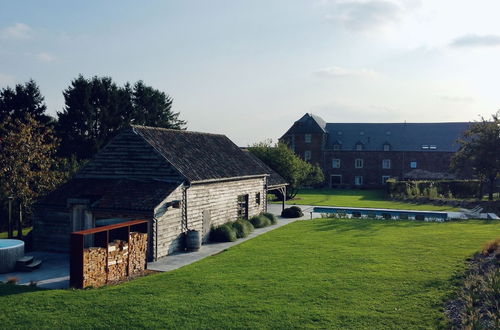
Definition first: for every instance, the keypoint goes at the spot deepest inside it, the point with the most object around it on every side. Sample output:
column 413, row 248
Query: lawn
column 322, row 273
column 4, row 234
column 357, row 198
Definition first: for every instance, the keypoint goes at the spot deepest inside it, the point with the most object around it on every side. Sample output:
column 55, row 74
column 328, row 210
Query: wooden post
column 284, row 198
column 9, row 224
column 20, row 223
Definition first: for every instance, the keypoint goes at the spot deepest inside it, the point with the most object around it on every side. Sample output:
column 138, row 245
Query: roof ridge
column 175, row 130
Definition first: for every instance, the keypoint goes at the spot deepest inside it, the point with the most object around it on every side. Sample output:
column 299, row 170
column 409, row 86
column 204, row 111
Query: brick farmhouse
column 178, row 180
column 367, row 154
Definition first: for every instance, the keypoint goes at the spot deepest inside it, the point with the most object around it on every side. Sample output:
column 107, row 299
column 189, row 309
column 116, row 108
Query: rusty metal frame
column 102, row 236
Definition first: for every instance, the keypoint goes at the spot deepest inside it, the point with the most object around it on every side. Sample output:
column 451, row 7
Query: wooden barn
column 178, row 180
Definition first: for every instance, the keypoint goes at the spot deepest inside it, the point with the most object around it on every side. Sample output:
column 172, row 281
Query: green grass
column 357, row 198
column 323, row 273
column 4, row 234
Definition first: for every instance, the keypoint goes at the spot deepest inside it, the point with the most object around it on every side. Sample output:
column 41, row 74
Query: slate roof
column 201, row 156
column 274, row 180
column 112, row 194
column 400, row 136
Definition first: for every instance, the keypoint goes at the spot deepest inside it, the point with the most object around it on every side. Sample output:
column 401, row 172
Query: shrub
column 292, row 212
column 242, row 228
column 223, row 233
column 260, row 221
column 271, row 217
column 491, row 246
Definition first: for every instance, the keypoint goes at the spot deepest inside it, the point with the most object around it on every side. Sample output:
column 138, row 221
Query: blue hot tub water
column 383, row 213
column 8, row 243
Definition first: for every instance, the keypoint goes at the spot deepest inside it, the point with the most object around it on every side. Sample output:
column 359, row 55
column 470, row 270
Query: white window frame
column 358, row 180
column 413, row 164
column 386, row 163
column 336, row 163
column 336, row 146
column 307, row 155
column 387, row 147
column 359, row 163
column 307, row 138
column 385, row 178
column 359, row 147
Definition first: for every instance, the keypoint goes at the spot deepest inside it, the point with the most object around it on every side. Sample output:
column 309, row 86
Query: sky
column 249, row 69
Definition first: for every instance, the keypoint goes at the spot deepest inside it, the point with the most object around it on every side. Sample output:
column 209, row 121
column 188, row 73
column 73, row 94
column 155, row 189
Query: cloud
column 473, row 40
column 339, row 72
column 366, row 15
column 17, row 31
column 6, row 80
column 457, row 99
column 45, row 57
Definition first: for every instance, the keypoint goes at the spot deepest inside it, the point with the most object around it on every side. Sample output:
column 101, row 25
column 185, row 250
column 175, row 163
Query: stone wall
column 51, row 228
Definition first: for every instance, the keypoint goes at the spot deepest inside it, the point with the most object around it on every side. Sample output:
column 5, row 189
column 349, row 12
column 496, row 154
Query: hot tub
column 10, row 251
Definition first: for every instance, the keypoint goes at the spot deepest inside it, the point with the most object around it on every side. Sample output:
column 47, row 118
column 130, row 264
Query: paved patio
column 52, row 274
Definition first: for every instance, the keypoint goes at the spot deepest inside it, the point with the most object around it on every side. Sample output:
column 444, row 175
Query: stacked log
column 94, row 267
column 138, row 244
column 117, row 260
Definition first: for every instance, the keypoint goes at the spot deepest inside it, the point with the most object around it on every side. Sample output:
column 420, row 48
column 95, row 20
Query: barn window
column 243, row 206
column 358, row 163
column 257, row 198
column 336, row 163
column 307, row 138
column 386, row 163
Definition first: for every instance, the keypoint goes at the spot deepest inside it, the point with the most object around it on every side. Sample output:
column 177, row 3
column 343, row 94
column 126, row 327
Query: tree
column 23, row 100
column 26, row 161
column 96, row 109
column 285, row 162
column 480, row 150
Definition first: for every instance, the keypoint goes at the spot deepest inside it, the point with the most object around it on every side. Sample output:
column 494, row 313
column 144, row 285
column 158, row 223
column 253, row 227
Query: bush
column 292, row 212
column 242, row 228
column 271, row 217
column 223, row 233
column 260, row 221
column 491, row 246
column 434, row 189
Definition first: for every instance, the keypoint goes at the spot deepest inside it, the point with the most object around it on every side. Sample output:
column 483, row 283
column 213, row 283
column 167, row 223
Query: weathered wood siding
column 51, row 228
column 167, row 233
column 221, row 199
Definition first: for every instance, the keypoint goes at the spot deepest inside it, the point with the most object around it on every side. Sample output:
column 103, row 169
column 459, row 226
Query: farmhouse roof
column 400, row 136
column 274, row 180
column 112, row 194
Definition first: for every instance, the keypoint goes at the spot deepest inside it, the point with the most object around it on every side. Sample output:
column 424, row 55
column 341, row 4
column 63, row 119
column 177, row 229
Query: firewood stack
column 117, row 260
column 94, row 267
column 137, row 257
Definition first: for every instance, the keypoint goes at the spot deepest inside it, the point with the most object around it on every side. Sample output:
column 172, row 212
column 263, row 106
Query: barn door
column 206, row 224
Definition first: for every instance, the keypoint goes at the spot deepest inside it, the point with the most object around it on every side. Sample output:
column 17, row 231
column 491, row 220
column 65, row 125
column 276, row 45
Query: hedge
column 260, row 221
column 223, row 233
column 292, row 212
column 434, row 189
column 242, row 228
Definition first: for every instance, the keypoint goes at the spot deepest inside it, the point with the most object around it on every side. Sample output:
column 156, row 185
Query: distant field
column 323, row 273
column 357, row 198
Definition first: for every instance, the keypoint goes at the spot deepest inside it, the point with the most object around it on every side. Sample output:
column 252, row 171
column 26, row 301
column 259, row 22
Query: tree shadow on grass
column 364, row 225
column 10, row 289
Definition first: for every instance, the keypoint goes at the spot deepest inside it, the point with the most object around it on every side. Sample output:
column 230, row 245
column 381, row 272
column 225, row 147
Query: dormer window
column 359, row 146
column 337, row 145
column 386, row 147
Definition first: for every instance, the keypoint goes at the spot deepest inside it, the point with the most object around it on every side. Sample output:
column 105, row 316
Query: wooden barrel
column 193, row 240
